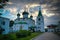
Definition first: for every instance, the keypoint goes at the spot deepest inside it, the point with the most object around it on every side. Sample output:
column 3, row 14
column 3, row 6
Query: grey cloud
column 54, row 4
column 25, row 1
column 50, row 5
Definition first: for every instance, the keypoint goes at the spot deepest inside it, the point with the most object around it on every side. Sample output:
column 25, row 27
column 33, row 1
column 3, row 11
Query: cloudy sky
column 50, row 9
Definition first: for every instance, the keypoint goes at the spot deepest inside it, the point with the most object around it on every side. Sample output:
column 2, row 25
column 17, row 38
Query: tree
column 3, row 3
column 32, row 28
column 0, row 1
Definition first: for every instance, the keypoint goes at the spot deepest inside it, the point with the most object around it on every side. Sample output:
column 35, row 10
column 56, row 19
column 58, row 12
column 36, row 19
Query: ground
column 47, row 36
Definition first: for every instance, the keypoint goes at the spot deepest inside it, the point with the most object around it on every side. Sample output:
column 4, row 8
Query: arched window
column 39, row 19
column 3, row 22
column 1, row 30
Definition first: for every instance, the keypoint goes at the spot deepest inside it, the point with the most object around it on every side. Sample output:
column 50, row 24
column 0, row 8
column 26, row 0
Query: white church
column 23, row 23
column 26, row 23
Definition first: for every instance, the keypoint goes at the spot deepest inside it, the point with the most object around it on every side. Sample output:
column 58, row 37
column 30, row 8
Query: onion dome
column 31, row 16
column 18, row 14
column 25, row 13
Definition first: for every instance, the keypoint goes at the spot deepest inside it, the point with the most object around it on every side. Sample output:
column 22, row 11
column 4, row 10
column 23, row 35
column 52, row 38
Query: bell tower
column 40, row 21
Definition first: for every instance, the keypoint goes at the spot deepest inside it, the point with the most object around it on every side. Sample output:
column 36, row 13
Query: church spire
column 40, row 13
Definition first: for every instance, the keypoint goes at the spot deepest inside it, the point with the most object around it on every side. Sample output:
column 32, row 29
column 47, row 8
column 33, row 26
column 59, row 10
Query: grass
column 30, row 37
column 12, row 36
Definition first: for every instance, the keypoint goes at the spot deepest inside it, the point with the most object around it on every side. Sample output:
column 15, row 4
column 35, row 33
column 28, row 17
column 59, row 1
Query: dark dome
column 25, row 12
column 18, row 14
column 31, row 16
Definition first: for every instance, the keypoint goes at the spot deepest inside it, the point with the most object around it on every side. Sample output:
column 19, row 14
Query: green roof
column 40, row 13
column 22, row 23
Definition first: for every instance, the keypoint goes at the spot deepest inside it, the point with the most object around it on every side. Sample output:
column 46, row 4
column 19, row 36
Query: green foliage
column 23, row 33
column 31, row 36
column 15, row 36
column 32, row 28
column 4, row 1
column 8, row 37
column 0, row 1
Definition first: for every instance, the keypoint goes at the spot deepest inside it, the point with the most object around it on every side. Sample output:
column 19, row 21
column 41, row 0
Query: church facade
column 25, row 23
column 4, row 22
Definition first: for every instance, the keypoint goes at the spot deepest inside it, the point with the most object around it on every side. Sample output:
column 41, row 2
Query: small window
column 39, row 19
column 3, row 23
column 39, row 27
column 39, row 23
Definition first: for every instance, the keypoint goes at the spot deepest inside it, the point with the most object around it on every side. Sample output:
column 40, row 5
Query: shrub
column 14, row 36
column 23, row 33
column 8, row 37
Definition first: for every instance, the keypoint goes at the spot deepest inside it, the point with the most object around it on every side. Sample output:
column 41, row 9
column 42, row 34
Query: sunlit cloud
column 48, row 6
column 35, row 14
column 49, row 15
column 13, row 10
column 33, row 5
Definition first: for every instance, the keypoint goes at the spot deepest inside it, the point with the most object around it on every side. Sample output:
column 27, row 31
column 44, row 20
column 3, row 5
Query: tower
column 40, row 21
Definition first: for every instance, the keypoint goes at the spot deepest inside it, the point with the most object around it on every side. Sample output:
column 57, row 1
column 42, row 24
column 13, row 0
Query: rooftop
column 25, row 12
